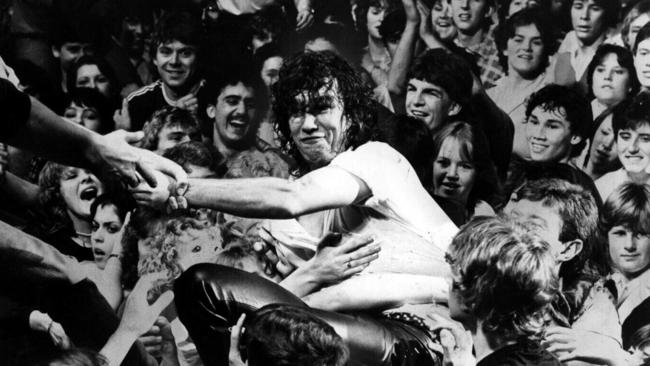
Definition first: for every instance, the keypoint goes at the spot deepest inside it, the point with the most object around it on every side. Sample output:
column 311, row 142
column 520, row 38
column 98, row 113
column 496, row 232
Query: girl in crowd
column 592, row 21
column 635, row 19
column 376, row 59
column 633, row 147
column 611, row 77
column 625, row 222
column 89, row 108
column 440, row 30
column 641, row 52
column 66, row 196
column 462, row 169
column 602, row 157
column 525, row 43
column 94, row 73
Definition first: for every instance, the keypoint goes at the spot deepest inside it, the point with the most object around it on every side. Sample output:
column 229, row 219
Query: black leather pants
column 210, row 298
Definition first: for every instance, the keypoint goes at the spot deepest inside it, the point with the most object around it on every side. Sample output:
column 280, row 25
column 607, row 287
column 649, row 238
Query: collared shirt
column 630, row 293
column 487, row 58
column 580, row 56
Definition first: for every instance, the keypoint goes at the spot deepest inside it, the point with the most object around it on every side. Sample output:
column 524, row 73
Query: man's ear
column 454, row 109
column 575, row 140
column 570, row 250
column 56, row 51
column 211, row 111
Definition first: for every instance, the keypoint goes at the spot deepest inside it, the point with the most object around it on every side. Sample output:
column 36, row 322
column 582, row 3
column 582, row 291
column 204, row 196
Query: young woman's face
column 634, row 149
column 82, row 115
column 610, row 81
column 106, row 233
column 525, row 50
column 271, row 70
column 588, row 19
column 630, row 252
column 79, row 188
column 197, row 246
column 89, row 76
column 442, row 21
column 453, row 176
column 635, row 27
column 603, row 148
column 374, row 17
column 642, row 63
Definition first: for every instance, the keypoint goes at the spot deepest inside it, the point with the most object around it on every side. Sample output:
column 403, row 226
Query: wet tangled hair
column 505, row 275
column 312, row 73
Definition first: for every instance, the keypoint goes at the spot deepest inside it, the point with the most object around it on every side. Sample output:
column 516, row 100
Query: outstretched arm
column 405, row 49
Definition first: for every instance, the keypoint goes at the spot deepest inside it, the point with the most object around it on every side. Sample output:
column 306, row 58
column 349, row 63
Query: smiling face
column 79, row 188
column 611, row 81
column 642, row 63
column 170, row 136
column 629, row 251
column 549, row 135
column 233, row 114
column 525, row 50
column 176, row 63
column 635, row 27
column 89, row 76
column 634, row 149
column 469, row 15
column 318, row 127
column 82, row 115
column 603, row 149
column 588, row 19
column 105, row 233
column 374, row 17
column 453, row 174
column 428, row 102
column 442, row 20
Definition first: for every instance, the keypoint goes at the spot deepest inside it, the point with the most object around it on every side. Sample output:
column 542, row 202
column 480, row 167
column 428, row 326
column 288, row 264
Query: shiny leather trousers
column 210, row 298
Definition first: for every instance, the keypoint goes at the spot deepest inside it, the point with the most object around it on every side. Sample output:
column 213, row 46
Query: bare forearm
column 301, row 282
column 118, row 346
column 26, row 193
column 402, row 59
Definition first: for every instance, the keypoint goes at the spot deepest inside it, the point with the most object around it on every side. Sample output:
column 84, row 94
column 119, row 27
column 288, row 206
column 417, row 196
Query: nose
column 584, row 13
column 464, row 4
column 634, row 146
column 309, row 123
column 609, row 74
column 630, row 243
column 175, row 58
column 417, row 99
column 608, row 142
column 91, row 84
column 98, row 236
column 241, row 107
column 537, row 132
column 452, row 172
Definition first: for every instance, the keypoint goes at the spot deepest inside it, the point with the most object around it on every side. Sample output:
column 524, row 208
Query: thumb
column 133, row 137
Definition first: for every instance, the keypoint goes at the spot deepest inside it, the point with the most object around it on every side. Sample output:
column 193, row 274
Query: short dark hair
column 637, row 114
column 392, row 27
column 178, row 26
column 215, row 86
column 625, row 60
column 311, row 72
column 92, row 98
column 122, row 203
column 522, row 18
column 444, row 69
column 612, row 9
column 577, row 108
column 168, row 116
column 285, row 335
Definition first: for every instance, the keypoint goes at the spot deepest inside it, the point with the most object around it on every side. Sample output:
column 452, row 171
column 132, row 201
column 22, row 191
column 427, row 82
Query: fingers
column 173, row 170
column 146, row 282
column 235, row 333
column 148, row 173
column 330, row 240
column 304, row 19
column 352, row 243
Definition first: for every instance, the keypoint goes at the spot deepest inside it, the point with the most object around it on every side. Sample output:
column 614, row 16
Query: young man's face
column 469, row 15
column 588, row 19
column 176, row 63
column 234, row 113
column 427, row 102
column 634, row 149
column 642, row 63
column 549, row 135
column 318, row 128
column 170, row 136
column 630, row 251
column 69, row 52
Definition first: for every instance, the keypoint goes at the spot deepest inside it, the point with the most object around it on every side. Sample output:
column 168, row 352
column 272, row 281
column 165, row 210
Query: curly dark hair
column 313, row 72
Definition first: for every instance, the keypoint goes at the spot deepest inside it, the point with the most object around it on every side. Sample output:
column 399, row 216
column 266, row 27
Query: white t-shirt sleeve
column 396, row 191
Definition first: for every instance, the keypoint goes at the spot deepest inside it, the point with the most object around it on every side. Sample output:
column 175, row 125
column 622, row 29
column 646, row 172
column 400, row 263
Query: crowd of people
column 327, row 183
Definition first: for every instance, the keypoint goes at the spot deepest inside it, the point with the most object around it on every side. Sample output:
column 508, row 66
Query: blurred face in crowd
column 428, row 102
column 260, row 40
column 588, row 19
column 442, row 20
column 374, row 17
column 176, row 63
column 318, row 127
column 517, row 5
column 197, row 246
column 642, row 63
column 133, row 36
column 233, row 114
column 549, row 135
column 174, row 134
column 321, row 44
column 611, row 81
column 525, row 51
column 635, row 27
column 70, row 52
column 79, row 188
column 106, row 233
column 469, row 15
column 630, row 251
column 82, row 115
column 89, row 76
column 271, row 70
column 634, row 149
column 603, row 149
column 546, row 221
column 453, row 174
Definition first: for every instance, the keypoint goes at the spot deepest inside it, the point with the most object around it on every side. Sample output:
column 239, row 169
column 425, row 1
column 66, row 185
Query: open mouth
column 89, row 194
column 98, row 252
column 537, row 148
column 418, row 114
column 311, row 139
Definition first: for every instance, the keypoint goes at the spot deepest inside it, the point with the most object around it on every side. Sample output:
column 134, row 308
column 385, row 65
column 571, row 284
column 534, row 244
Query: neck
column 175, row 94
column 518, row 80
column 641, row 177
column 79, row 224
column 376, row 48
column 485, row 345
column 228, row 150
column 470, row 40
column 593, row 44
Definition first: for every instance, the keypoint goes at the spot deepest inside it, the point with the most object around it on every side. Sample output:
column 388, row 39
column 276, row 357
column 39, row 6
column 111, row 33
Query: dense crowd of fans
column 327, row 183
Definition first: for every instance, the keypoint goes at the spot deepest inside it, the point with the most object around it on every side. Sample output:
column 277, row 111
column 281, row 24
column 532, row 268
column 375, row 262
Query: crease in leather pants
column 210, row 298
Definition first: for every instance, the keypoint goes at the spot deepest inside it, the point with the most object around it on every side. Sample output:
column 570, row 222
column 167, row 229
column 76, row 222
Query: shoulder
column 608, row 182
column 145, row 91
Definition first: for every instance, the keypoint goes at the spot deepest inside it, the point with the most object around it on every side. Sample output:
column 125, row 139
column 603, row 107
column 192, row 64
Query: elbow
column 291, row 204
